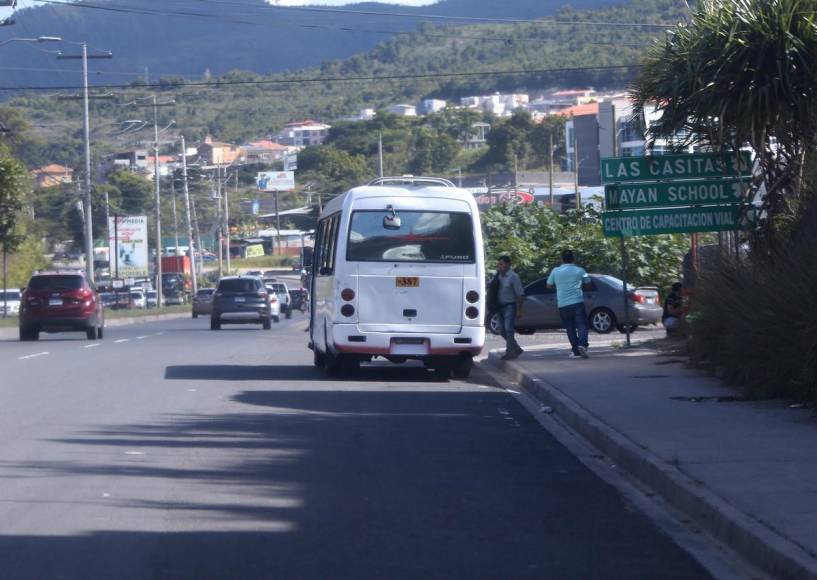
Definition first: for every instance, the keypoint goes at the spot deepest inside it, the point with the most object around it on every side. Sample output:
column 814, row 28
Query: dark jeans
column 574, row 319
column 508, row 314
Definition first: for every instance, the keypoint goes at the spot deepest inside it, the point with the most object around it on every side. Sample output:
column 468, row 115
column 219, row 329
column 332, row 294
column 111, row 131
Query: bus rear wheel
column 462, row 368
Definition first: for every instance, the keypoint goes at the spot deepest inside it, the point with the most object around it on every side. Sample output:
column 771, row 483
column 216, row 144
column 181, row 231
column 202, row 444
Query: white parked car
column 274, row 303
column 137, row 299
column 10, row 301
column 282, row 292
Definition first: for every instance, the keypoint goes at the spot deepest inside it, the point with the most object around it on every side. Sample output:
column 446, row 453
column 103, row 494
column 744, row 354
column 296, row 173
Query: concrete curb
column 748, row 537
column 13, row 332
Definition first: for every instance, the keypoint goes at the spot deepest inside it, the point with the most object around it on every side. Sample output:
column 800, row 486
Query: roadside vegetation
column 744, row 72
column 534, row 237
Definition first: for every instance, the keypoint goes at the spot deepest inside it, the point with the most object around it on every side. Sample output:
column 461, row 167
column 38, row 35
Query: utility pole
column 175, row 219
column 158, row 268
column 226, row 193
column 198, row 234
column 576, row 168
column 550, row 168
column 190, row 243
column 86, row 197
column 220, row 222
column 277, row 226
column 379, row 155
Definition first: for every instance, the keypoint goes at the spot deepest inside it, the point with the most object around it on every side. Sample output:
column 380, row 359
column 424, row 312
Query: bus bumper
column 348, row 339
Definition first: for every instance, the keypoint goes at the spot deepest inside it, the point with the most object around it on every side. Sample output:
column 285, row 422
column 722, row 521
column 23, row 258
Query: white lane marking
column 32, row 355
column 159, row 333
column 134, row 452
column 141, row 337
column 121, row 340
column 192, row 390
column 92, row 345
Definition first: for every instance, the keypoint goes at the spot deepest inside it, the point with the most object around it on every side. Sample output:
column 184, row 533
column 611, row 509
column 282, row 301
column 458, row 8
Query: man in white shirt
column 510, row 296
column 569, row 279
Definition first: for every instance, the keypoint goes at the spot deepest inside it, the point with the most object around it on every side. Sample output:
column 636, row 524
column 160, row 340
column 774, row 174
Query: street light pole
column 158, row 267
column 190, row 243
column 87, row 207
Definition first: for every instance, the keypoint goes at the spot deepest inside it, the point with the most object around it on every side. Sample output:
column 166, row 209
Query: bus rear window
column 423, row 236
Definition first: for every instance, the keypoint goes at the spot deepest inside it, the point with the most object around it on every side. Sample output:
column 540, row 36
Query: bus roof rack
column 411, row 180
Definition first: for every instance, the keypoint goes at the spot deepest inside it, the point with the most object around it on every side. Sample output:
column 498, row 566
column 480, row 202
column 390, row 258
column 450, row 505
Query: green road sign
column 661, row 167
column 676, row 220
column 672, row 193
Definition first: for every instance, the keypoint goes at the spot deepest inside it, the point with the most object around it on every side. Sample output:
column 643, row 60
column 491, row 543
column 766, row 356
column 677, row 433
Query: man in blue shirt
column 569, row 279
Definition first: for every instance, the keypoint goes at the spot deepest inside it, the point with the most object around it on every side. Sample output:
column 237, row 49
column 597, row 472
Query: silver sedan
column 603, row 300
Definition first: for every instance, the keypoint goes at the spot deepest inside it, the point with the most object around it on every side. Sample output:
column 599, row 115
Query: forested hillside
column 189, row 37
column 441, row 61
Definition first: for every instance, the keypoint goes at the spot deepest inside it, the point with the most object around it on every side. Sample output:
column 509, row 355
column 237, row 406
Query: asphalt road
column 170, row 451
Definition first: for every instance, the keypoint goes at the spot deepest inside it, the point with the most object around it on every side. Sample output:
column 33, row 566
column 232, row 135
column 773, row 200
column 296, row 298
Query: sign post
column 670, row 194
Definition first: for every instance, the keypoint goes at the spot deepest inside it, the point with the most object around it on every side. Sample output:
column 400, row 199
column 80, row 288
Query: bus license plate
column 407, row 282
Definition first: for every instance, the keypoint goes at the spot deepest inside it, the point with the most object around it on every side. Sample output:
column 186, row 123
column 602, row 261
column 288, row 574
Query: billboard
column 128, row 246
column 497, row 195
column 275, row 181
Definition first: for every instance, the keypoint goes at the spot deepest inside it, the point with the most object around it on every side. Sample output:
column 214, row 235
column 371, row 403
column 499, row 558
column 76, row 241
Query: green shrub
column 757, row 322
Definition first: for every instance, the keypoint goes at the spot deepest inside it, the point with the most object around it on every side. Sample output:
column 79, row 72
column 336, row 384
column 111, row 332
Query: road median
column 740, row 469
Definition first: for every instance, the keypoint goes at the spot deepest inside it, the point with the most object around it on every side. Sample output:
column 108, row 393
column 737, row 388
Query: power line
column 313, row 9
column 220, row 84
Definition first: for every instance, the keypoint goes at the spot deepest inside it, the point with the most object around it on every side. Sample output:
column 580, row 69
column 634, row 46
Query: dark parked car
column 603, row 300
column 203, row 301
column 60, row 301
column 240, row 300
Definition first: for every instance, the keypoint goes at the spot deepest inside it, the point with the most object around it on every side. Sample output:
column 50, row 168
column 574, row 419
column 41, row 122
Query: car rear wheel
column 29, row 334
column 266, row 323
column 289, row 312
column 215, row 324
column 100, row 332
column 602, row 320
column 195, row 315
column 90, row 333
column 495, row 324
column 276, row 319
column 319, row 359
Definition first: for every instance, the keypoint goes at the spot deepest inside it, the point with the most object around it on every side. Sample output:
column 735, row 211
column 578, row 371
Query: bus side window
column 334, row 222
column 326, row 246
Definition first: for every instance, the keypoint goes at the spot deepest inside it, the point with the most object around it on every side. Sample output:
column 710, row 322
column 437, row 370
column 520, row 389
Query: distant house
column 52, row 175
column 134, row 161
column 478, row 136
column 264, row 151
column 402, row 110
column 166, row 164
column 217, row 152
column 303, row 133
column 430, row 106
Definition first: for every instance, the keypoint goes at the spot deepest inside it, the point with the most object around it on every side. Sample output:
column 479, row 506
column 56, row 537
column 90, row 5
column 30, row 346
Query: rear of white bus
column 411, row 283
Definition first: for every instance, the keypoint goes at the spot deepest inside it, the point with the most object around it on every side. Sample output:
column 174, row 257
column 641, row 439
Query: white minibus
column 398, row 273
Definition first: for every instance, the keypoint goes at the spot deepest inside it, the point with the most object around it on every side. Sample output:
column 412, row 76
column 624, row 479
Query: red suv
column 60, row 302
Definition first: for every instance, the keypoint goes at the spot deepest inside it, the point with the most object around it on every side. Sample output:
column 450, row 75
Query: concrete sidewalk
column 744, row 471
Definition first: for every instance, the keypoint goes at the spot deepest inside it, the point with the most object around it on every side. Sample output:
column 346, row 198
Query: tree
column 742, row 71
column 535, row 236
column 13, row 187
column 129, row 194
column 334, row 170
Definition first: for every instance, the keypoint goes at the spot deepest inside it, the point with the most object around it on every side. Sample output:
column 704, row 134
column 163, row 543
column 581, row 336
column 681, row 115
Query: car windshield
column 205, row 292
column 56, row 282
column 277, row 288
column 237, row 285
column 137, row 295
column 423, row 236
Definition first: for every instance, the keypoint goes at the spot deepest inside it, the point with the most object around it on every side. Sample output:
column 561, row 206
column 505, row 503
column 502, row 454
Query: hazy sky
column 26, row 3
